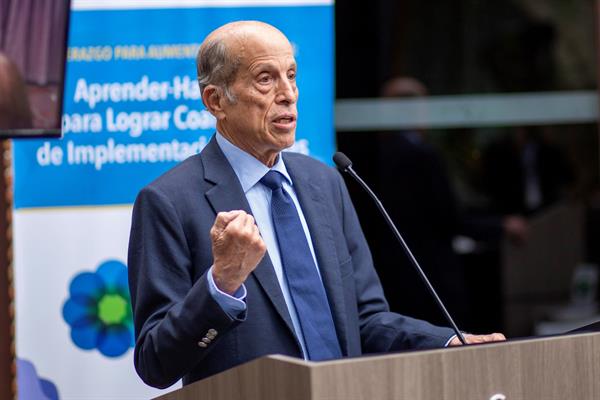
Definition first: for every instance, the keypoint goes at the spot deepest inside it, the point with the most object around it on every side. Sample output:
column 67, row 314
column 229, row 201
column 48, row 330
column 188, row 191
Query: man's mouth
column 285, row 121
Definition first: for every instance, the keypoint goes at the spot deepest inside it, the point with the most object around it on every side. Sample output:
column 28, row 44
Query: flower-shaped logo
column 99, row 310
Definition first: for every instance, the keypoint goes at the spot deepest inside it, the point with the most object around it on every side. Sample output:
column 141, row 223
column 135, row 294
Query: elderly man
column 244, row 251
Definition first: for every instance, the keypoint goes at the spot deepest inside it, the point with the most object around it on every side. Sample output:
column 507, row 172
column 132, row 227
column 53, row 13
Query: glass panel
column 466, row 46
column 476, row 122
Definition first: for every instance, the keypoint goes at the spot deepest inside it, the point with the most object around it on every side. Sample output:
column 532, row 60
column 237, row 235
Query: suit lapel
column 314, row 207
column 226, row 195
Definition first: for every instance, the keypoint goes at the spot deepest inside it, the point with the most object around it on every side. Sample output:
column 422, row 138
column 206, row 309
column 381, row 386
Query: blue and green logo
column 99, row 310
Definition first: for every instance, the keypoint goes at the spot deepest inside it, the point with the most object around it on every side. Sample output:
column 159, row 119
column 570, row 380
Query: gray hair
column 216, row 67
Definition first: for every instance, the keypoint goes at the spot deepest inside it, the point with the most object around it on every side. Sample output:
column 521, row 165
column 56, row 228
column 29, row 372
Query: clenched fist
column 237, row 249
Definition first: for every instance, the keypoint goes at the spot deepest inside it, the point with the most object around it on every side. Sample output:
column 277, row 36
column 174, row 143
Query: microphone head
column 342, row 161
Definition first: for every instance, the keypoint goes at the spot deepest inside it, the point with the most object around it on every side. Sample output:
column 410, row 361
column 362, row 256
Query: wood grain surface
column 566, row 367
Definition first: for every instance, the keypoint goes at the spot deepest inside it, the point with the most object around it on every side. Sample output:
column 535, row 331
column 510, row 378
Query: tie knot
column 273, row 180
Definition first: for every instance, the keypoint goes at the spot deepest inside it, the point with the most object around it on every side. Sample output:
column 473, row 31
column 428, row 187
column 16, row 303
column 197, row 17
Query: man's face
column 262, row 119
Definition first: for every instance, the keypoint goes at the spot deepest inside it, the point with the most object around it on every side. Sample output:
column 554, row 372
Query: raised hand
column 237, row 249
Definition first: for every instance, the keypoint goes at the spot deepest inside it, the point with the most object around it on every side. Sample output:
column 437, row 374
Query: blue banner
column 132, row 107
column 132, row 110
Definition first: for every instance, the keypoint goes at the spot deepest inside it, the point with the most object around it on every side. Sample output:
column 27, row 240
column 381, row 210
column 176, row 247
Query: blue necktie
column 304, row 283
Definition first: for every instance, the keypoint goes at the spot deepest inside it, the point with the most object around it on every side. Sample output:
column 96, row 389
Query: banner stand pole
column 7, row 347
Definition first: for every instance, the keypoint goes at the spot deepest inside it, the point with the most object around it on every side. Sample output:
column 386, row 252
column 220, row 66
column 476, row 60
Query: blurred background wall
column 476, row 122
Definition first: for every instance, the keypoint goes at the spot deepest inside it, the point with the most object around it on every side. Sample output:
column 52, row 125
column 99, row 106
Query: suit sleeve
column 380, row 329
column 172, row 311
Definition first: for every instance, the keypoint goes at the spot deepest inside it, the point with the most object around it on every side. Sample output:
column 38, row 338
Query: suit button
column 206, row 340
column 202, row 344
column 213, row 332
column 211, row 337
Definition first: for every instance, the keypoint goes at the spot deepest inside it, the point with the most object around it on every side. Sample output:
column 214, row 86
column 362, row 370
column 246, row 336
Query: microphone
column 344, row 164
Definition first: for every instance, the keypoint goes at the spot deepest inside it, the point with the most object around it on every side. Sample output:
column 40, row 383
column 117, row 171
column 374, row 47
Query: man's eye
column 264, row 79
column 292, row 75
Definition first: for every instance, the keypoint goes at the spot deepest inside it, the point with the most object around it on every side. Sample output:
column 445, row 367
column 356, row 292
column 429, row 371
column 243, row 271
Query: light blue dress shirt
column 249, row 172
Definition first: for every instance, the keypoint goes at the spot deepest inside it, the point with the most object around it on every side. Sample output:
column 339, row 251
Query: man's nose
column 287, row 92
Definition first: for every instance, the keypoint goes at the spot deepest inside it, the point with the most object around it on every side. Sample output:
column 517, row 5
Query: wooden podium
column 553, row 368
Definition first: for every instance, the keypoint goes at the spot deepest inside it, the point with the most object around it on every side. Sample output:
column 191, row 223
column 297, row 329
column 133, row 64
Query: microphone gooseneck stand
column 344, row 164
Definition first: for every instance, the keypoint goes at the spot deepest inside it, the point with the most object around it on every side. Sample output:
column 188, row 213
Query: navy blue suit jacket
column 170, row 254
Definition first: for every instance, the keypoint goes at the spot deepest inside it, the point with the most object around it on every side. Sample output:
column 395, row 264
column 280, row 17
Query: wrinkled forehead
column 260, row 43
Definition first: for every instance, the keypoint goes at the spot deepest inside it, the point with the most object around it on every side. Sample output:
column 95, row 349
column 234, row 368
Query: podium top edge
column 417, row 353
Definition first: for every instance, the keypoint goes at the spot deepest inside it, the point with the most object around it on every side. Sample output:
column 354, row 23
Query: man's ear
column 212, row 97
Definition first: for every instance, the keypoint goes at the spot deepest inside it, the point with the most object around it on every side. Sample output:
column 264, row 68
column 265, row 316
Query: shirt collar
column 247, row 168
